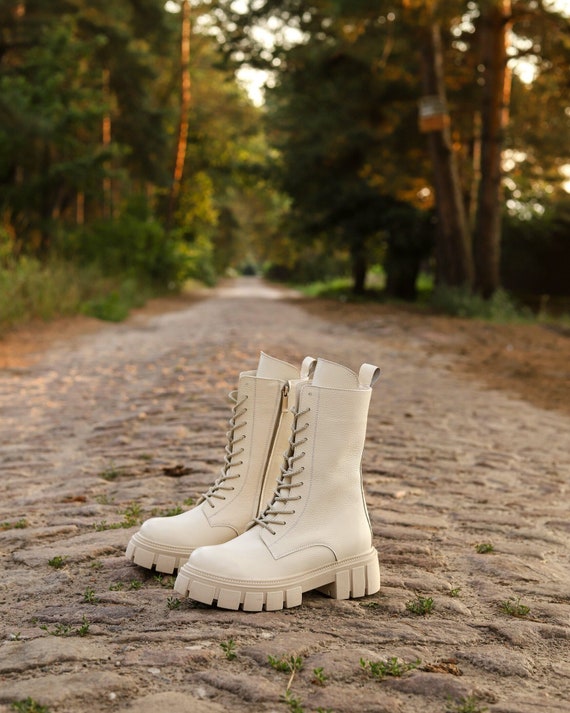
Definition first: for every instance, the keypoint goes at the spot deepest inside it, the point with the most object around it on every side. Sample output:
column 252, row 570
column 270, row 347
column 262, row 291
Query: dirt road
column 467, row 489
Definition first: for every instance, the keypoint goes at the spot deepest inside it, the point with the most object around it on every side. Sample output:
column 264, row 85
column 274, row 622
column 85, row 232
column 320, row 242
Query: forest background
column 398, row 144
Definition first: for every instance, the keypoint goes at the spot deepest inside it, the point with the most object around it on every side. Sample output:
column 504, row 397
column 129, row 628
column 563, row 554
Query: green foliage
column 462, row 302
column 134, row 245
column 62, row 629
column 28, row 705
column 484, row 548
column 513, row 607
column 173, row 603
column 114, row 306
column 57, row 562
column 20, row 524
column 229, row 649
column 319, row 676
column 131, row 517
column 466, row 704
column 285, row 663
column 421, row 606
column 392, row 666
column 89, row 596
column 293, row 702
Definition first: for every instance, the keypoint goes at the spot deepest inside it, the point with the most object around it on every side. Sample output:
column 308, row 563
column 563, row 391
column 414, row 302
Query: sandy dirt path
column 129, row 421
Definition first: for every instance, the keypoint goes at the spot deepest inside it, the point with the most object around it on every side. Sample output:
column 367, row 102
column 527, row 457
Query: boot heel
column 355, row 582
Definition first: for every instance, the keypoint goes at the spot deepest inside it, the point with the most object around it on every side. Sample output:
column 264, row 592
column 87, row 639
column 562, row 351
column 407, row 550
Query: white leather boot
column 260, row 427
column 316, row 532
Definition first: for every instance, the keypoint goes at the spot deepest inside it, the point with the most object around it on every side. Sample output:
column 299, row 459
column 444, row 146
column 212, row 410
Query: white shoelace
column 282, row 496
column 230, row 454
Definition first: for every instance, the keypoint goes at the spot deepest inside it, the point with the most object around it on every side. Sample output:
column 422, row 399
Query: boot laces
column 283, row 496
column 220, row 486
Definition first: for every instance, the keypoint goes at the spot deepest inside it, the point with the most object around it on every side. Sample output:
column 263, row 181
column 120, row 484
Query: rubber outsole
column 352, row 578
column 143, row 554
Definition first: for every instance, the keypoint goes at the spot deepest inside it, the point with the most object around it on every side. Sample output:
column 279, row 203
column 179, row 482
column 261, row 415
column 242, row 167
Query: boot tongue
column 334, row 376
column 271, row 368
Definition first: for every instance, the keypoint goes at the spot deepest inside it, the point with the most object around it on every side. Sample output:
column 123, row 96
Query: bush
column 31, row 290
column 461, row 302
column 128, row 246
column 115, row 305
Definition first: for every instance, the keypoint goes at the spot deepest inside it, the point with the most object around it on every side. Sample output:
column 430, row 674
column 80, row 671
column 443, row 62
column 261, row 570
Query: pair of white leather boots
column 287, row 513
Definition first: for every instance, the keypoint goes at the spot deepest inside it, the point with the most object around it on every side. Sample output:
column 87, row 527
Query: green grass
column 453, row 301
column 29, row 705
column 390, row 667
column 421, row 606
column 513, row 607
column 461, row 302
column 31, row 290
column 20, row 524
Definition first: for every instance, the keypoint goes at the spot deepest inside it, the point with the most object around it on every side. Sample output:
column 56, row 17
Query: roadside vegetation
column 116, row 191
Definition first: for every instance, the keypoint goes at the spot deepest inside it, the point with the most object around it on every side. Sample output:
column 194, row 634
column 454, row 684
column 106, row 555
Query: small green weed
column 20, row 524
column 295, row 704
column 83, row 630
column 454, row 592
column 188, row 502
column 96, row 565
column 422, row 606
column 104, row 499
column 173, row 603
column 513, row 607
column 131, row 517
column 135, row 584
column 484, row 548
column 111, row 473
column 319, row 677
column 289, row 664
column 15, row 637
column 229, row 648
column 390, row 667
column 169, row 512
column 58, row 629
column 89, row 596
column 465, row 704
column 57, row 562
column 116, row 586
column 166, row 582
column 66, row 629
column 370, row 605
column 28, row 705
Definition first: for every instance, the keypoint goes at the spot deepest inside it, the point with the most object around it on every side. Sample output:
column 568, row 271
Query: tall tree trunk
column 359, row 266
column 495, row 20
column 106, row 125
column 453, row 250
column 185, row 101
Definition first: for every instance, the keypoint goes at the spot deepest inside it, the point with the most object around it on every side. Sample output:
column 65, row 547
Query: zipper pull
column 285, row 398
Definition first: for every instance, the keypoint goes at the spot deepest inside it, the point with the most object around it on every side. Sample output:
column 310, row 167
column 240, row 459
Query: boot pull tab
column 308, row 367
column 368, row 375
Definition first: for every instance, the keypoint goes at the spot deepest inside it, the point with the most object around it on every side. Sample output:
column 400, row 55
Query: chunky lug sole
column 149, row 555
column 351, row 578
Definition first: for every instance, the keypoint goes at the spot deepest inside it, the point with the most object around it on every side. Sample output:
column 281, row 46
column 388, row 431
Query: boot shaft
column 320, row 500
column 259, row 428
